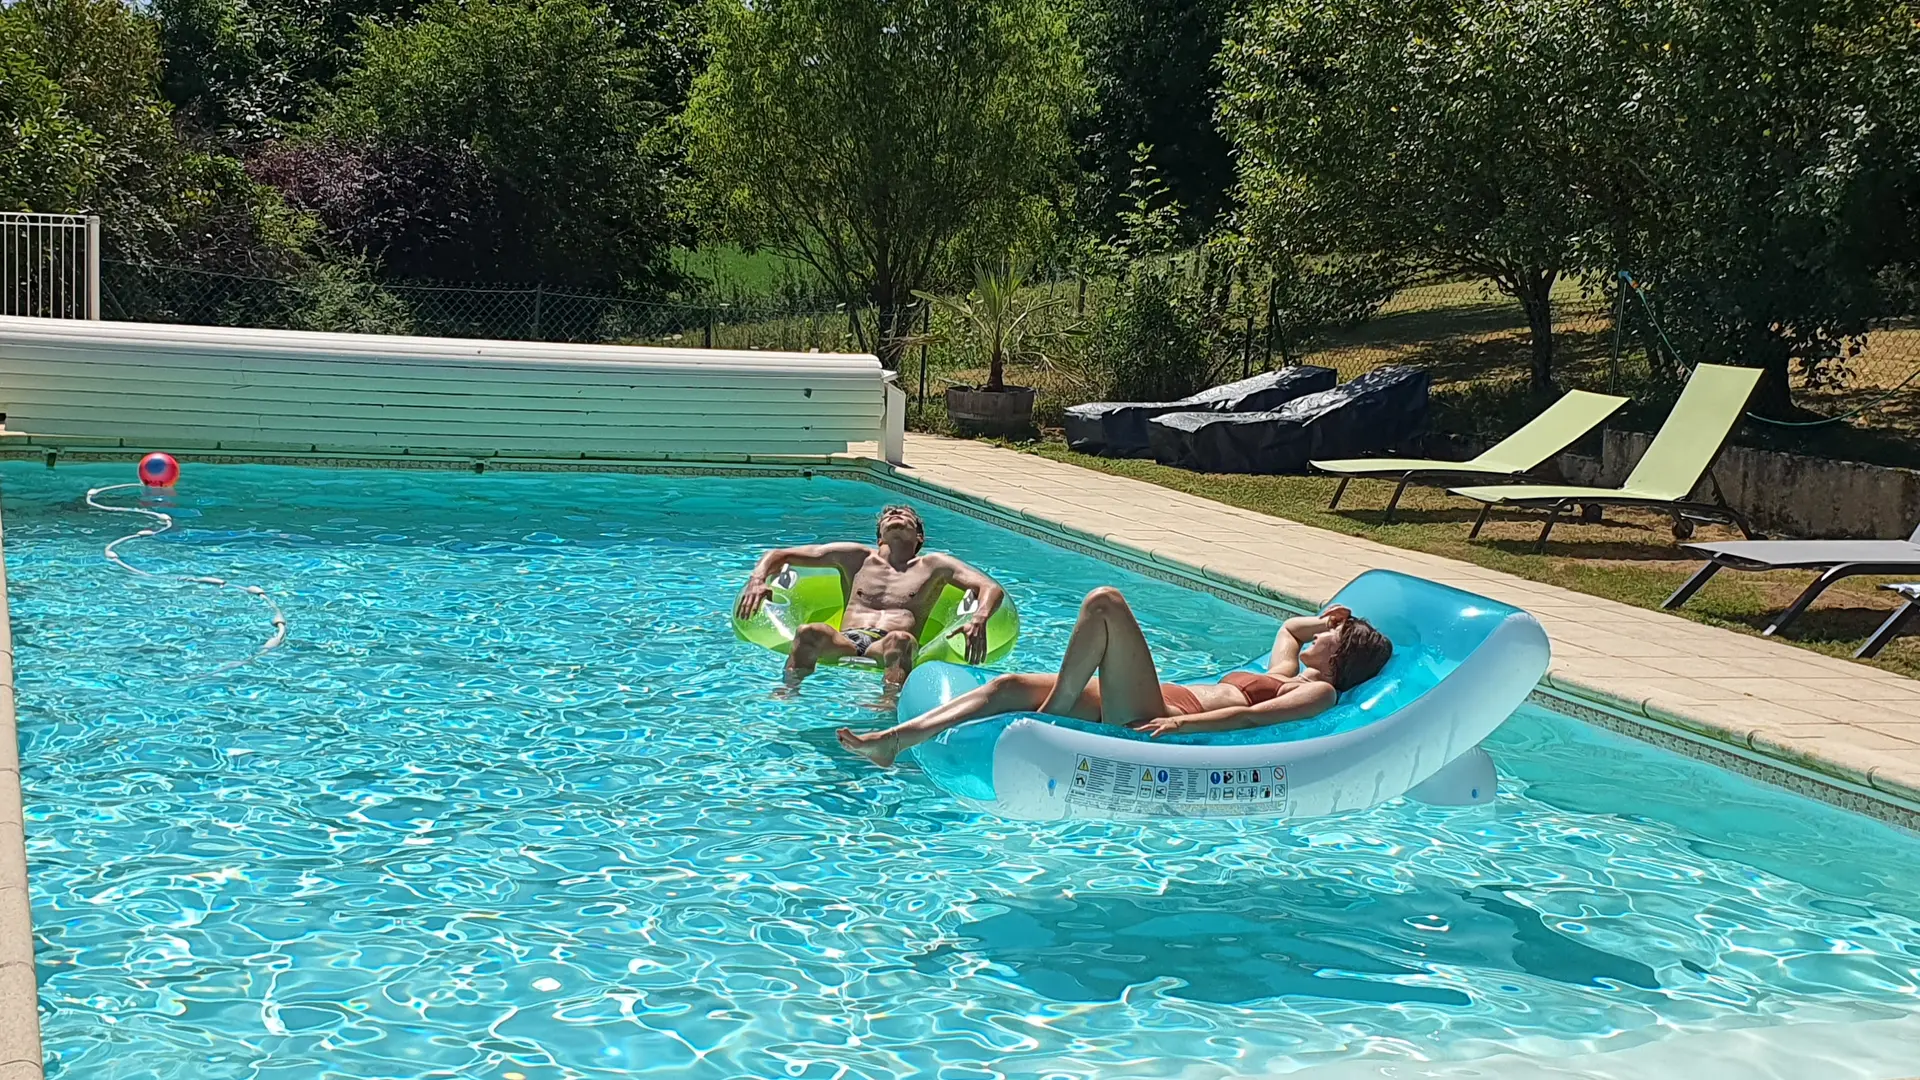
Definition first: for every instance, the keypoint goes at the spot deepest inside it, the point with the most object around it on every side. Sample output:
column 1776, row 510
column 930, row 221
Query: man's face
column 899, row 527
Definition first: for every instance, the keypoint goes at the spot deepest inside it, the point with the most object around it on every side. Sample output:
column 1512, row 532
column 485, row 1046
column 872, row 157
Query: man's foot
column 876, row 746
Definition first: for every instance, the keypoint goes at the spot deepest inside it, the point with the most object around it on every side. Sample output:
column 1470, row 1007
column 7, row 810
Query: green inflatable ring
column 814, row 594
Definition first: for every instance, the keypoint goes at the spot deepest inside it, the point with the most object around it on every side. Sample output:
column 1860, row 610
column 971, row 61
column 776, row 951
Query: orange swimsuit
column 1256, row 686
column 1181, row 701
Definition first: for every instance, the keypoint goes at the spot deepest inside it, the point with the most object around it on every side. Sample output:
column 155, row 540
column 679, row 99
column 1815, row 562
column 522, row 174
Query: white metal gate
column 50, row 265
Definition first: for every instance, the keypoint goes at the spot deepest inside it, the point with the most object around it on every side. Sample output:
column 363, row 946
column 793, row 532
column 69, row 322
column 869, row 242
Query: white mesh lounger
column 1835, row 559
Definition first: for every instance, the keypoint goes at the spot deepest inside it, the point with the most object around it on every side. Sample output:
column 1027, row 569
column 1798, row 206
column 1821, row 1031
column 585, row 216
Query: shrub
column 1149, row 342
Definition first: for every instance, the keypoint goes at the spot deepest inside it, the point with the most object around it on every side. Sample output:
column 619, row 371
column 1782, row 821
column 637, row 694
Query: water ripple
column 512, row 800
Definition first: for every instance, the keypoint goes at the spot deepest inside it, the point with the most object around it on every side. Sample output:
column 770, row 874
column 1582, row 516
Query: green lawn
column 730, row 268
column 1631, row 557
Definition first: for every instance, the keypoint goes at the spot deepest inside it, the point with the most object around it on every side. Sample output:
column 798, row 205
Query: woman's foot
column 876, row 746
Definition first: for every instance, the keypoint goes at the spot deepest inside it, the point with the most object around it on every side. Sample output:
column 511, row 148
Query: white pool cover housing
column 1461, row 665
column 155, row 386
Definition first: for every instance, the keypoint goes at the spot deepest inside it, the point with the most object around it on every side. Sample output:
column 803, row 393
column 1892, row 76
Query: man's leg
column 1107, row 641
column 813, row 643
column 895, row 652
column 1004, row 694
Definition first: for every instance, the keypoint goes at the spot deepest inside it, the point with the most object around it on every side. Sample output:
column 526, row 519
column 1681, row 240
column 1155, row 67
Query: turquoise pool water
column 511, row 800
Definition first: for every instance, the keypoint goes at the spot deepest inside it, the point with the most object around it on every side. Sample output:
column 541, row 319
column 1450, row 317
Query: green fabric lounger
column 1539, row 439
column 1682, row 452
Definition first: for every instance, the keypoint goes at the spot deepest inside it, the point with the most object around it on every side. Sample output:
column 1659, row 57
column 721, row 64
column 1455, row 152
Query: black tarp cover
column 1119, row 428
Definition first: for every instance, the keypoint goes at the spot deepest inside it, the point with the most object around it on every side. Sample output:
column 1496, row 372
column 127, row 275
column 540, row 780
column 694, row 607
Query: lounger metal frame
column 1895, row 623
column 1685, row 510
column 1834, row 572
column 1424, row 477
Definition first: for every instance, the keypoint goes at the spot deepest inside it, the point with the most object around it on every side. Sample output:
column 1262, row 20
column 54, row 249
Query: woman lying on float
column 1108, row 676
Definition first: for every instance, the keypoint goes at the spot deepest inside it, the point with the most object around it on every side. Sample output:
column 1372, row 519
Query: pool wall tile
column 19, row 991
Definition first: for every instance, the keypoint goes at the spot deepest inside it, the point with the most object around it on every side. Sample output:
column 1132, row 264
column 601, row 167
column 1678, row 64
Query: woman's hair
column 1359, row 652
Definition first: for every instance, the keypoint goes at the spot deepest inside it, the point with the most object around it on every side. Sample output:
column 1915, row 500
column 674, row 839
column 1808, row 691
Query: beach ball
column 159, row 470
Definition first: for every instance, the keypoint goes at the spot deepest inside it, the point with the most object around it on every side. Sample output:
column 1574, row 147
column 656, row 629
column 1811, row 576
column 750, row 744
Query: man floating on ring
column 891, row 589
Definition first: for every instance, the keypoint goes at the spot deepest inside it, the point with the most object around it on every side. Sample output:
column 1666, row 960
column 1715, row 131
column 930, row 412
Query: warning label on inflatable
column 1102, row 786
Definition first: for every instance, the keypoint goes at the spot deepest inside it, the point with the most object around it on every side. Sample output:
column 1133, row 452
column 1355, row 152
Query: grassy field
column 1631, row 557
column 729, row 267
column 1477, row 346
column 1472, row 339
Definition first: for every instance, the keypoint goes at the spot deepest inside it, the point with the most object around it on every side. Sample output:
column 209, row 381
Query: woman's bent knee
column 1104, row 599
column 1017, row 689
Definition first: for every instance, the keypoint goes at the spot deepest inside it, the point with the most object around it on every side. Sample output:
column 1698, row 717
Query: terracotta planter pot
column 998, row 412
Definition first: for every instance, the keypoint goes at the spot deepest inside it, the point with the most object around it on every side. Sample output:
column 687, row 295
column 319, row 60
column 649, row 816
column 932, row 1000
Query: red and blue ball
column 159, row 470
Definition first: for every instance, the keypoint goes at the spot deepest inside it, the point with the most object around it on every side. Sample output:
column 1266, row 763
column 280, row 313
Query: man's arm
column 844, row 557
column 990, row 595
column 1298, row 703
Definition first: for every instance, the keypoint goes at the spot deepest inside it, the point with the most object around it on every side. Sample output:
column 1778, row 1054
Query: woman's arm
column 1297, row 702
column 1296, row 632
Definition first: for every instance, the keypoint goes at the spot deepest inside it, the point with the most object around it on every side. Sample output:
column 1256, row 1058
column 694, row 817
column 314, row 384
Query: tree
column 247, row 71
column 415, row 211
column 241, row 71
column 50, row 161
column 159, row 199
column 1782, row 219
column 1000, row 319
column 558, row 109
column 1475, row 137
column 865, row 138
column 1152, row 67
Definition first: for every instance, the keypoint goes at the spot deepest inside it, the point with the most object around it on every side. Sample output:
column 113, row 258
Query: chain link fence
column 1472, row 338
column 332, row 298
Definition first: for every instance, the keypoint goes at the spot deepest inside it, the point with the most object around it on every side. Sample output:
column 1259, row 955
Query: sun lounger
column 1836, row 559
column 1564, row 422
column 1119, row 428
column 1681, row 454
column 1895, row 622
column 1377, row 411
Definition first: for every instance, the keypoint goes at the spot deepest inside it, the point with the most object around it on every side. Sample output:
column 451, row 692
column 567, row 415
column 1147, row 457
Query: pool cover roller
column 1461, row 665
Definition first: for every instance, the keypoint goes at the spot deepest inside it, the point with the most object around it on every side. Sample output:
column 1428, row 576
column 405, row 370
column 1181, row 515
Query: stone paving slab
column 1808, row 712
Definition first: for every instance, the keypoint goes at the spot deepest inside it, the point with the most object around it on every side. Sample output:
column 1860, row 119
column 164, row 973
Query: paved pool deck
column 1844, row 732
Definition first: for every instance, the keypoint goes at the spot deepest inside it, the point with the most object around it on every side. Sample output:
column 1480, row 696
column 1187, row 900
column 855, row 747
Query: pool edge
column 1671, row 730
column 20, row 1048
column 1695, row 737
column 1867, row 793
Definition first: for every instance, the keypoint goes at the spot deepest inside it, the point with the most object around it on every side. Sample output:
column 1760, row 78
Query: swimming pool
column 511, row 800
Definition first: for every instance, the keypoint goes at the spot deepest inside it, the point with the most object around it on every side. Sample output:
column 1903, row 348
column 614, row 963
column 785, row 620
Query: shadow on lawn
column 1848, row 625
column 1658, row 548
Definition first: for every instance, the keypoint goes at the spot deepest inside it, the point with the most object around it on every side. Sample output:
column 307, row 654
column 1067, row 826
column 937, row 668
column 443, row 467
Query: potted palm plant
column 997, row 318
